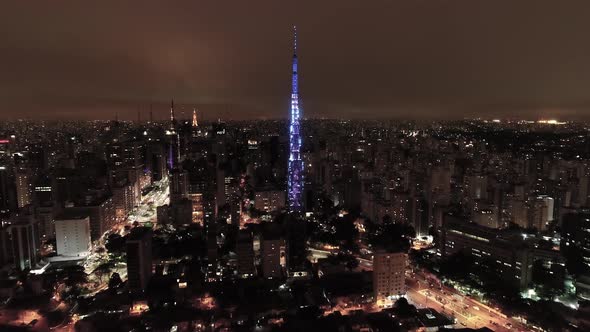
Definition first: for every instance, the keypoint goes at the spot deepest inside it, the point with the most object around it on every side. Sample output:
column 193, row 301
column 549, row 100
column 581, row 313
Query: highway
column 468, row 311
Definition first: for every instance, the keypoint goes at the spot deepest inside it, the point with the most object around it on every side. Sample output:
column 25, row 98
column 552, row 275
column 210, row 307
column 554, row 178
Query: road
column 468, row 311
column 315, row 254
column 146, row 211
column 143, row 213
column 365, row 264
column 465, row 314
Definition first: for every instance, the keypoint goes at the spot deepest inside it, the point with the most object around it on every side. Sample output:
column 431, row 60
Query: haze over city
column 376, row 59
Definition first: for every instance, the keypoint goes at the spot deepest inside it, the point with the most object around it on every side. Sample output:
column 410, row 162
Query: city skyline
column 419, row 60
column 427, row 168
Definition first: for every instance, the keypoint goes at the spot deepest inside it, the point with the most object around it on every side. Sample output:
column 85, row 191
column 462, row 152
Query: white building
column 541, row 212
column 388, row 276
column 72, row 235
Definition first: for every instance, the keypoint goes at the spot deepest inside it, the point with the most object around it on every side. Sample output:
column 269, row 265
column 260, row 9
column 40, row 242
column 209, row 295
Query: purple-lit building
column 295, row 176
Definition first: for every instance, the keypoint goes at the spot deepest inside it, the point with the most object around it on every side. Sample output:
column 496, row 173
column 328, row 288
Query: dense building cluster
column 149, row 217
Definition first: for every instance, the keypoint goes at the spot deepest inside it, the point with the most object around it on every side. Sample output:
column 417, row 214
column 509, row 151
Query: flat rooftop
column 71, row 215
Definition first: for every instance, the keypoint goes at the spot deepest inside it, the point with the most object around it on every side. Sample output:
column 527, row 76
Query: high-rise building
column 583, row 186
column 518, row 212
column 273, row 250
column 197, row 216
column 101, row 212
column 37, row 156
column 23, row 189
column 541, row 212
column 295, row 170
column 181, row 212
column 220, row 195
column 476, row 186
column 418, row 215
column 6, row 255
column 178, row 185
column 156, row 160
column 6, row 145
column 574, row 235
column 202, row 191
column 389, row 270
column 487, row 216
column 72, row 235
column 43, row 191
column 124, row 200
column 24, row 236
column 245, row 252
column 440, row 181
column 269, row 200
column 46, row 218
column 139, row 258
column 6, row 194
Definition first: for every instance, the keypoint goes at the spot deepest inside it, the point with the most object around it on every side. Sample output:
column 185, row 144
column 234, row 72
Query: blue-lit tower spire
column 295, row 176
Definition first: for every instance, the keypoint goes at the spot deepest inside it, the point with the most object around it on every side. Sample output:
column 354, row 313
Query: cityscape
column 174, row 216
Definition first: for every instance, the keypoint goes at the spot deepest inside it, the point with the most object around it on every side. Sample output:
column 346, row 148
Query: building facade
column 72, row 235
column 269, row 200
column 389, row 275
column 274, row 258
column 139, row 258
column 245, row 252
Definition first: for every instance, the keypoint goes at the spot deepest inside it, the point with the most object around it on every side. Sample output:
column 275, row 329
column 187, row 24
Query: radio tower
column 295, row 176
column 174, row 141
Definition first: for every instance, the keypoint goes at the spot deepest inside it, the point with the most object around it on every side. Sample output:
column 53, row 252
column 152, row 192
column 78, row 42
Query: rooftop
column 139, row 233
column 68, row 214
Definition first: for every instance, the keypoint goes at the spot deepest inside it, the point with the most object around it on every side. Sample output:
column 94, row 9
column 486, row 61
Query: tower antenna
column 172, row 110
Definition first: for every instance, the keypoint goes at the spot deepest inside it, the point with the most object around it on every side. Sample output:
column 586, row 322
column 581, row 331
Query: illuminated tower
column 172, row 112
column 295, row 176
column 195, row 123
column 173, row 140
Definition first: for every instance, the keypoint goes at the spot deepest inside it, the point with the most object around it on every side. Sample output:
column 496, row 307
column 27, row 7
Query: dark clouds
column 377, row 58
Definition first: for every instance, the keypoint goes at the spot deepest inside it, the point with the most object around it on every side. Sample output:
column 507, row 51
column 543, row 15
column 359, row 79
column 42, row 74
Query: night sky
column 231, row 59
